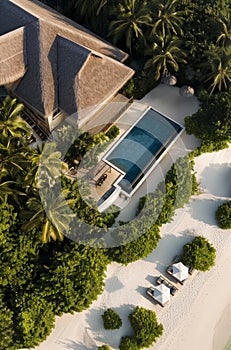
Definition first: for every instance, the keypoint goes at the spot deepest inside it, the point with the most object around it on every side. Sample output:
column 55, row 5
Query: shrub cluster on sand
column 111, row 319
column 199, row 254
column 223, row 215
column 146, row 330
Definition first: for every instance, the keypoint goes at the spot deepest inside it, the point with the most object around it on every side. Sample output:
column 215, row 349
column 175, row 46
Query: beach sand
column 222, row 332
column 193, row 318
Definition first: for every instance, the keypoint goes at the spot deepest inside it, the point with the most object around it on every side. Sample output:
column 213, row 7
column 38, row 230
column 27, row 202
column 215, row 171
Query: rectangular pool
column 141, row 146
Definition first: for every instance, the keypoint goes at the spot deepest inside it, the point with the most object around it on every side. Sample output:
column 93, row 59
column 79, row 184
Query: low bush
column 139, row 85
column 154, row 210
column 146, row 330
column 113, row 132
column 199, row 254
column 223, row 215
column 111, row 319
column 104, row 347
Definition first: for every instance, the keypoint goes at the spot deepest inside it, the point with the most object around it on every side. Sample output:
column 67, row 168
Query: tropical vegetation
column 104, row 347
column 146, row 330
column 188, row 38
column 111, row 319
column 216, row 113
column 199, row 254
column 42, row 272
column 223, row 215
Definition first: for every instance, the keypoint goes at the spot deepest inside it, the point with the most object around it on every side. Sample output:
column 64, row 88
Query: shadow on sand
column 204, row 210
column 110, row 337
column 216, row 176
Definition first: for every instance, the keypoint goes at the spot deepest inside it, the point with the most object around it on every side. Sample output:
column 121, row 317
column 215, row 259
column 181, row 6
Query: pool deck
column 175, row 109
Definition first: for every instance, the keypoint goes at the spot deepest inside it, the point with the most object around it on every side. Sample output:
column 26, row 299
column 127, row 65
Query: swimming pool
column 141, row 147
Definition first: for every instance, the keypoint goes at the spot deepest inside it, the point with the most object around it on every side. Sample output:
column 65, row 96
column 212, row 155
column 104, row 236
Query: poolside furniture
column 163, row 280
column 178, row 271
column 177, row 259
column 102, row 171
column 161, row 294
column 101, row 180
column 191, row 270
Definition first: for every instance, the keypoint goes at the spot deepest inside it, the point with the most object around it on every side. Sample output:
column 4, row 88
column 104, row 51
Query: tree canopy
column 199, row 254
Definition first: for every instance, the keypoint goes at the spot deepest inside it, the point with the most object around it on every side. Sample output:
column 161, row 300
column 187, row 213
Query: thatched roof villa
column 56, row 67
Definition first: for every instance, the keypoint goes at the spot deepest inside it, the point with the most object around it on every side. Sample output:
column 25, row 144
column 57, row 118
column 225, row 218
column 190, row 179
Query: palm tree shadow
column 72, row 345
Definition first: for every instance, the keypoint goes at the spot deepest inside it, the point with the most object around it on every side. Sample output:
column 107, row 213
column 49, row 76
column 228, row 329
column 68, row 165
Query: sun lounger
column 170, row 272
column 150, row 291
column 162, row 280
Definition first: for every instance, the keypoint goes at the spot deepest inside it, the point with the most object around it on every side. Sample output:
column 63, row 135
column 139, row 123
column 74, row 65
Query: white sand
column 193, row 315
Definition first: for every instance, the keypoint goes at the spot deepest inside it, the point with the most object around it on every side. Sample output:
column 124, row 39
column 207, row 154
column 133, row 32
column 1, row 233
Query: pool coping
column 116, row 183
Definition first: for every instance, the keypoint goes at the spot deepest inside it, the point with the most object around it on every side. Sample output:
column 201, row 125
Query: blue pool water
column 142, row 146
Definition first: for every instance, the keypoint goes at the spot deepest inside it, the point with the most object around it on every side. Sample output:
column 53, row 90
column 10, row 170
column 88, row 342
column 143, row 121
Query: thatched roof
column 62, row 65
column 13, row 56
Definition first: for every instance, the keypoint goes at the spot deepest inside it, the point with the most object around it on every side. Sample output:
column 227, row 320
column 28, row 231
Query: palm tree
column 220, row 63
column 8, row 193
column 13, row 159
column 89, row 8
column 131, row 17
column 166, row 54
column 51, row 216
column 225, row 35
column 169, row 19
column 46, row 165
column 11, row 123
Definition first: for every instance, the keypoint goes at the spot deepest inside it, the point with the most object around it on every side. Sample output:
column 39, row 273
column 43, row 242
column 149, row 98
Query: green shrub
column 145, row 326
column 104, row 347
column 157, row 208
column 223, row 215
column 6, row 326
column 113, row 132
column 111, row 319
column 139, row 85
column 146, row 330
column 199, row 254
column 35, row 320
column 128, row 343
column 214, row 112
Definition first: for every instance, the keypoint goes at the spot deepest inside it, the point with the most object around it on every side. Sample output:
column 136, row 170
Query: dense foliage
column 161, row 37
column 223, row 215
column 6, row 326
column 104, row 347
column 146, row 330
column 39, row 281
column 212, row 122
column 154, row 210
column 111, row 319
column 199, row 254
